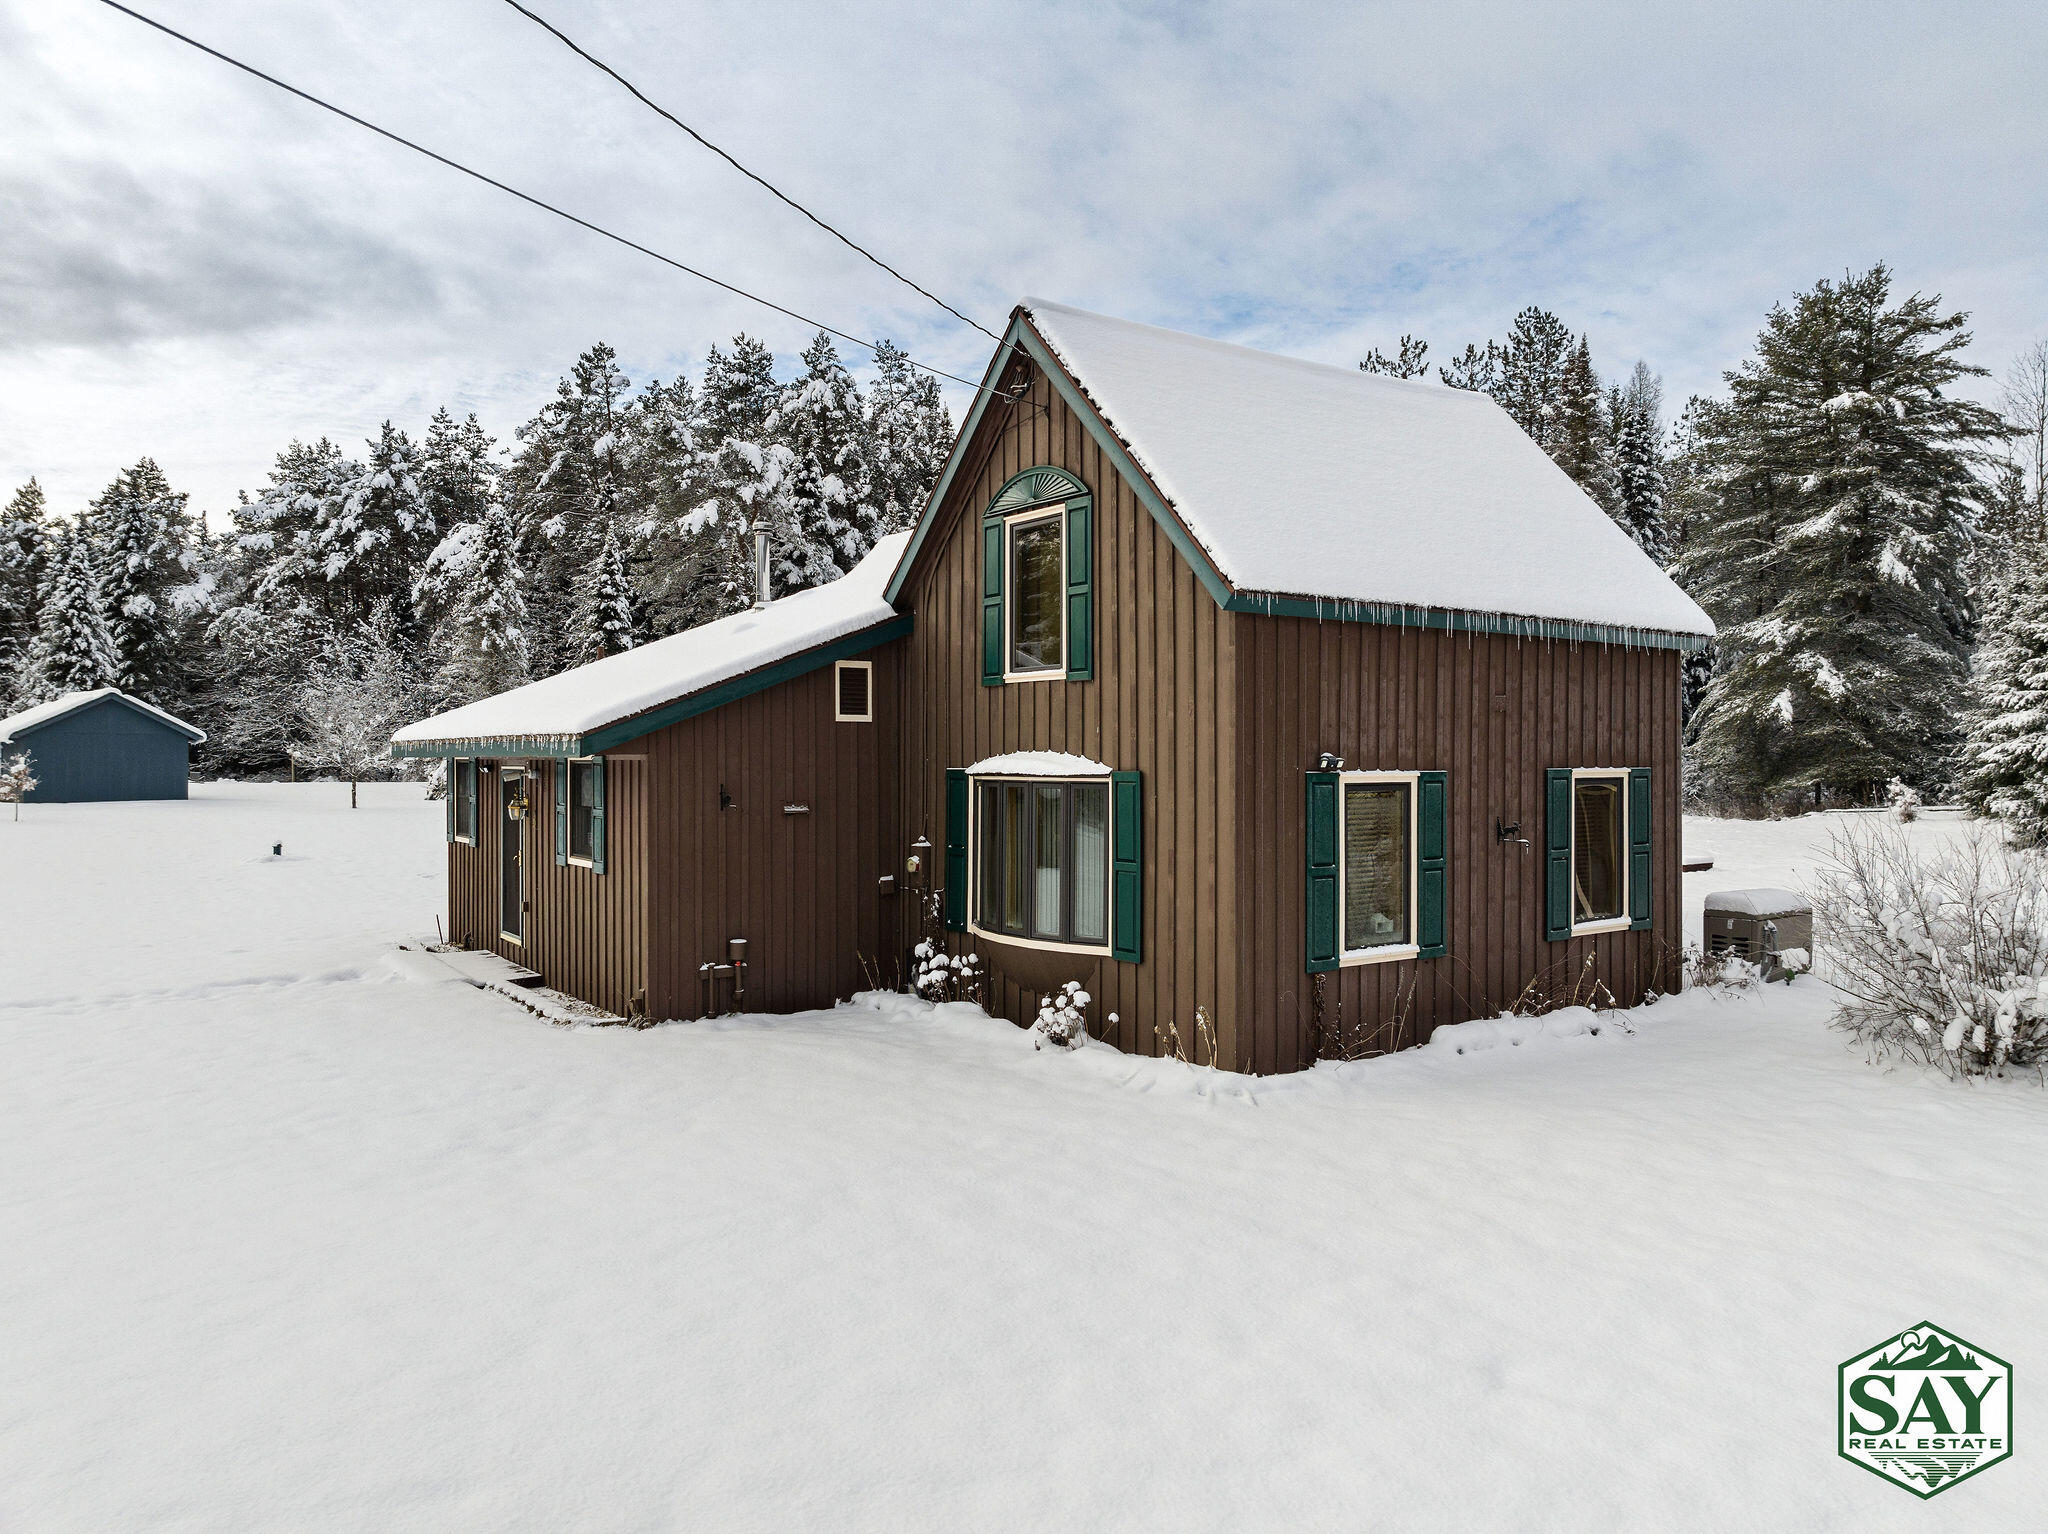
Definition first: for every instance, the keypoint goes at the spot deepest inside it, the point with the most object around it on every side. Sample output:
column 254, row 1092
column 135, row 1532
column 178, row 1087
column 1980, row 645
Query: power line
column 590, row 58
column 525, row 197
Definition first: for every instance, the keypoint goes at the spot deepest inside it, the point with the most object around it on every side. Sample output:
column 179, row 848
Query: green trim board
column 611, row 736
column 1458, row 621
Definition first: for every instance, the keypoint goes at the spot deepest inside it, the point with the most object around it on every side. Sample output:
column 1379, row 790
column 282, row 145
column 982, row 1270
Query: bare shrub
column 1943, row 957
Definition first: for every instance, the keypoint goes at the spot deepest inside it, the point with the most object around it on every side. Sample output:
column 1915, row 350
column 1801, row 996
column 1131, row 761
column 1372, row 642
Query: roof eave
column 630, row 727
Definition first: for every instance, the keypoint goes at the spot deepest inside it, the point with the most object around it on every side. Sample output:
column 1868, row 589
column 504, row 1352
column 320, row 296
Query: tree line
column 1872, row 548
column 356, row 591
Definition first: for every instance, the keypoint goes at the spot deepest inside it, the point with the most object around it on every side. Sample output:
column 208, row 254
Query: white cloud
column 196, row 266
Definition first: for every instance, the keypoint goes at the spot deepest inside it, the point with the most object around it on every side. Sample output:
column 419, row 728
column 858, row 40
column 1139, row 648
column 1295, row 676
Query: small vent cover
column 855, row 702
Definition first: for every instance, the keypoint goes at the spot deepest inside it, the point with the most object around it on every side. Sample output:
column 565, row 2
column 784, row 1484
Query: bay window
column 1041, row 860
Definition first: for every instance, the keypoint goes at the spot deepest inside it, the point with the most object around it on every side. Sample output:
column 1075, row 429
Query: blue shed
column 101, row 745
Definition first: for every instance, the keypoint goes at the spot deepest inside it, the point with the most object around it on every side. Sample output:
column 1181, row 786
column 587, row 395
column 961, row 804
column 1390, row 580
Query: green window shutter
column 992, row 602
column 454, row 788
column 1127, row 866
column 597, row 815
column 1432, row 862
column 1324, row 949
column 956, row 849
column 1557, row 854
column 1080, row 591
column 1639, row 872
column 476, row 828
column 561, row 811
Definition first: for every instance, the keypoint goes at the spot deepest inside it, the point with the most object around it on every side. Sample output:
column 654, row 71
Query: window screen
column 1596, row 849
column 1042, row 850
column 1376, row 854
column 1037, row 594
column 582, row 809
column 853, row 679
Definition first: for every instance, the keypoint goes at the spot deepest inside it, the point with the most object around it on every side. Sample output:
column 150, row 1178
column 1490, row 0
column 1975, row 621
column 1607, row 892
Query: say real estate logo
column 1925, row 1409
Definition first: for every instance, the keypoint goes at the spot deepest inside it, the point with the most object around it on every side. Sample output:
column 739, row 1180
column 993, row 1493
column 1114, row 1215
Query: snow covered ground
column 291, row 1241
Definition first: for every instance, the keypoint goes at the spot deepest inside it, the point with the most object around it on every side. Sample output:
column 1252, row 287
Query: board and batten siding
column 1493, row 712
column 802, row 888
column 586, row 932
column 1163, row 702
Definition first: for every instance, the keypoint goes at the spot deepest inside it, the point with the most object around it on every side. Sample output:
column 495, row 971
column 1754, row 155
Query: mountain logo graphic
column 1924, row 1409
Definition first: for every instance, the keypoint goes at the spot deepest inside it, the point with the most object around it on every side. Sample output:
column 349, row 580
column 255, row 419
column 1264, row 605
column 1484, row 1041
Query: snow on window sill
column 1091, row 949
column 1592, row 928
column 1384, row 955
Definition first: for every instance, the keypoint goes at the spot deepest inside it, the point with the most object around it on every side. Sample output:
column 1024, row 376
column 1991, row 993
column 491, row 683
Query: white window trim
column 974, row 782
column 569, row 817
column 1386, row 953
column 853, row 665
column 475, row 781
column 1046, row 512
column 1622, row 922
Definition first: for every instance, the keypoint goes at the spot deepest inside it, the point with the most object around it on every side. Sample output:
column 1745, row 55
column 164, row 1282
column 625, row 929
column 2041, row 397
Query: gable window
column 462, row 799
column 1040, row 861
column 1599, row 840
column 1377, row 871
column 583, row 811
column 1038, row 587
column 1038, row 580
column 853, row 696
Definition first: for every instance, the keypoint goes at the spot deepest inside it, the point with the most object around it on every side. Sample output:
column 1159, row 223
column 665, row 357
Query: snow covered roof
column 563, row 713
column 35, row 718
column 1302, row 481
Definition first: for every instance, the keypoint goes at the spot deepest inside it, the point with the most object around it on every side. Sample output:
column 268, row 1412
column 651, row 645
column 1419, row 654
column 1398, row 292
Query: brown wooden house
column 1319, row 701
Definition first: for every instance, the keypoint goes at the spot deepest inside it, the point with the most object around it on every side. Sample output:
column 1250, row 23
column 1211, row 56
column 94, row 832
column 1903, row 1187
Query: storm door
column 512, row 812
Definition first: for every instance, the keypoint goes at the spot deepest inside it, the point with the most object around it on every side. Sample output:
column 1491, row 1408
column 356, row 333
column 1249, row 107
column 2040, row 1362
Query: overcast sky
column 197, row 267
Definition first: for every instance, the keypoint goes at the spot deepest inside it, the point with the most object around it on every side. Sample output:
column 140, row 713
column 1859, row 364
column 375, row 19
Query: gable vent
column 853, row 681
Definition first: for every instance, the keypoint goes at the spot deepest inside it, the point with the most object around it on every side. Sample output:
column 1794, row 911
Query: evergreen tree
column 833, row 520
column 72, row 650
column 1579, row 440
column 274, row 533
column 743, row 479
column 605, row 622
column 142, row 538
column 910, row 434
column 457, row 478
column 1836, row 494
column 474, row 586
column 369, row 538
column 1474, row 369
column 1635, row 474
column 24, row 558
column 665, row 557
column 1532, row 376
column 572, row 479
column 2004, row 768
column 1410, row 360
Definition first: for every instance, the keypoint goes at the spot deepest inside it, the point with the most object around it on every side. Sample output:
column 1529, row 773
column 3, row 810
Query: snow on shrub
column 1941, row 958
column 1904, row 801
column 1062, row 1018
column 939, row 976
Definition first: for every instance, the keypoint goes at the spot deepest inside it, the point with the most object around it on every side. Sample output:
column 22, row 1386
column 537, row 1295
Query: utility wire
column 590, row 58
column 525, row 197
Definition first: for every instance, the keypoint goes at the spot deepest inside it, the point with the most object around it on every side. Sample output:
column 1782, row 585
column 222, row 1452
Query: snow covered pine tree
column 72, row 651
column 472, row 591
column 1834, row 515
column 24, row 558
column 142, row 543
column 2005, row 752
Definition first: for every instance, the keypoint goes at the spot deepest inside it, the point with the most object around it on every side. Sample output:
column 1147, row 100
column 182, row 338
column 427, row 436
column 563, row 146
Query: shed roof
column 593, row 707
column 16, row 725
column 1305, row 487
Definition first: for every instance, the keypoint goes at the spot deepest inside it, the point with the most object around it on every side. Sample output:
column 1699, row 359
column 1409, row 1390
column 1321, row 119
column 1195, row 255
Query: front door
column 512, row 854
